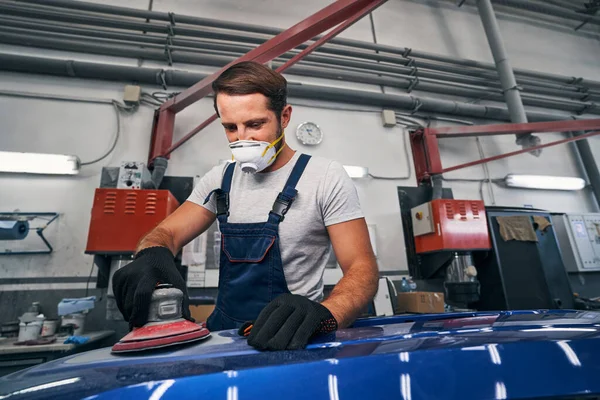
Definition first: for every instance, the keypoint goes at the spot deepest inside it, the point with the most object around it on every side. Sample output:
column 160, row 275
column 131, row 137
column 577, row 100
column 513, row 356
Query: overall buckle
column 222, row 203
column 281, row 207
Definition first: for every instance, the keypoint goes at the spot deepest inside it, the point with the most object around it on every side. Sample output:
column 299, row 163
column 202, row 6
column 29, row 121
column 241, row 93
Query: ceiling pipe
column 115, row 49
column 25, row 27
column 440, row 87
column 568, row 4
column 161, row 54
column 510, row 89
column 178, row 30
column 544, row 88
column 123, row 11
column 157, row 15
column 550, row 9
column 157, row 76
column 128, row 24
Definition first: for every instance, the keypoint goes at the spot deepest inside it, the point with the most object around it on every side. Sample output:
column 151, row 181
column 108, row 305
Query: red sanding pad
column 161, row 334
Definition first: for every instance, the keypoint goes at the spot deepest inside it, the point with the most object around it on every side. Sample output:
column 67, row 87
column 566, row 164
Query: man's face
column 247, row 117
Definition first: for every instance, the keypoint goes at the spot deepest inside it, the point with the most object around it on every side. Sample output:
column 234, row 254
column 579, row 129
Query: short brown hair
column 250, row 77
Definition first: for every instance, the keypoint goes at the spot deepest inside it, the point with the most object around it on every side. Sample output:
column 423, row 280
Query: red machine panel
column 456, row 225
column 121, row 217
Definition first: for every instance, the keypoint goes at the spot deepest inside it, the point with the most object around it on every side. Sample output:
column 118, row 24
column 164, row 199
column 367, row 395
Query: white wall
column 351, row 137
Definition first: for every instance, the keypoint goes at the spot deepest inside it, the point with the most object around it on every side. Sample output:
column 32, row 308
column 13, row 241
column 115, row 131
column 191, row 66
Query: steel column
column 505, row 71
column 589, row 164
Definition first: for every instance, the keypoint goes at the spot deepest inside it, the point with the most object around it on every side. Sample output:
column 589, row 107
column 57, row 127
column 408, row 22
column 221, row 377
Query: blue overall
column 251, row 270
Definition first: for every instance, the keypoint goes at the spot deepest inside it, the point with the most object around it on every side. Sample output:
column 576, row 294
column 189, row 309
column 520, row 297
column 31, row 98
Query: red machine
column 450, row 225
column 121, row 217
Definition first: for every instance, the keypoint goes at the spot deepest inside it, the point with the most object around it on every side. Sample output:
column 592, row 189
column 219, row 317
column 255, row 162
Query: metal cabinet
column 579, row 238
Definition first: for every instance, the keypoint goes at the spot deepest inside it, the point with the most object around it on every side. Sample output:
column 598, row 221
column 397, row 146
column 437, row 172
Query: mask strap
column 273, row 144
column 276, row 154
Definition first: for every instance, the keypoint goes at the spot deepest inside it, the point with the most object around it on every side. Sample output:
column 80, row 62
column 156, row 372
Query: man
column 278, row 213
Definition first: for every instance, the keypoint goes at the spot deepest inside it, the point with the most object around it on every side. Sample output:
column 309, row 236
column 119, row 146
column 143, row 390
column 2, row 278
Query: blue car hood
column 495, row 355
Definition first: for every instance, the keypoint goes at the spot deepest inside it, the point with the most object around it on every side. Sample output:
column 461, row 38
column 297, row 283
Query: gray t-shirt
column 326, row 196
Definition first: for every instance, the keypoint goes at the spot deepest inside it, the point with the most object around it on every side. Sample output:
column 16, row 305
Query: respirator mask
column 253, row 155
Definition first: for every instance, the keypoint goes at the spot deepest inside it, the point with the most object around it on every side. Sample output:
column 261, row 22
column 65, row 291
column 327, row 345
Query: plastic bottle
column 411, row 284
column 404, row 287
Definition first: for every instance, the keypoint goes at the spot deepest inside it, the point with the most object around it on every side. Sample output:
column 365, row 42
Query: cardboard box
column 200, row 313
column 420, row 302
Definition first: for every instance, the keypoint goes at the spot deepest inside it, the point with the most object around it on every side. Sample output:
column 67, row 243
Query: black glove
column 288, row 322
column 134, row 283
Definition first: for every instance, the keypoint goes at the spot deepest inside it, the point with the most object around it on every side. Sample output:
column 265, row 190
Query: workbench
column 14, row 358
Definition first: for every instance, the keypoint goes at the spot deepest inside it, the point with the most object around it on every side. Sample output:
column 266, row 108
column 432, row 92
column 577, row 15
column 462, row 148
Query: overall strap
column 286, row 197
column 223, row 194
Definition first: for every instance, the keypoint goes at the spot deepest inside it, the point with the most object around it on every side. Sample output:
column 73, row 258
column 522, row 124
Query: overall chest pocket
column 247, row 248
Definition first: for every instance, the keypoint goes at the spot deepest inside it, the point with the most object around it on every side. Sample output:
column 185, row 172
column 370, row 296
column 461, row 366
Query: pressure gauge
column 309, row 134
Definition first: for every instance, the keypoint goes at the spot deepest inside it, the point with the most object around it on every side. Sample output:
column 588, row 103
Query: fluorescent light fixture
column 356, row 172
column 544, row 182
column 39, row 163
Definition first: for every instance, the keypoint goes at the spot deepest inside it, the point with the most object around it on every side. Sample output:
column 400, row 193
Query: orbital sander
column 165, row 325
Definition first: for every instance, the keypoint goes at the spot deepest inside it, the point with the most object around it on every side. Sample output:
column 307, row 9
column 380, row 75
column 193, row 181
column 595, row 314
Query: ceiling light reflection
column 333, row 387
column 569, row 352
column 494, row 355
column 42, row 387
column 158, row 393
column 405, row 387
column 500, row 391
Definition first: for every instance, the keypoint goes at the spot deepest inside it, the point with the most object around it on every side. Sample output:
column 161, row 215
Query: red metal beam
column 514, row 129
column 366, row 9
column 162, row 134
column 359, row 9
column 426, row 155
column 419, row 156
column 192, row 133
column 305, row 30
column 514, row 153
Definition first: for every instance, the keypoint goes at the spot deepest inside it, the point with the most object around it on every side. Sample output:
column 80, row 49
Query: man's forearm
column 353, row 293
column 157, row 237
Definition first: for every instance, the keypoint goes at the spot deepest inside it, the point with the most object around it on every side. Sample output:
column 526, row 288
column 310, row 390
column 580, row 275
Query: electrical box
column 133, row 175
column 389, row 118
column 579, row 239
column 421, row 220
column 121, row 217
column 132, row 94
column 450, row 225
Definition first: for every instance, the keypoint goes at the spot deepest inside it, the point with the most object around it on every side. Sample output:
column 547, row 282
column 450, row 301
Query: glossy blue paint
column 452, row 356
